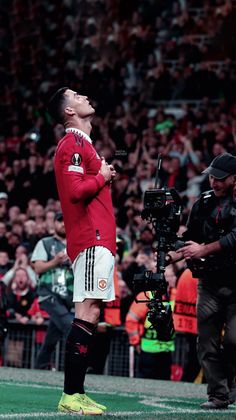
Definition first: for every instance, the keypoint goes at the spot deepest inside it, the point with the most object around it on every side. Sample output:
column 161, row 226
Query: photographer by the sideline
column 210, row 250
column 53, row 266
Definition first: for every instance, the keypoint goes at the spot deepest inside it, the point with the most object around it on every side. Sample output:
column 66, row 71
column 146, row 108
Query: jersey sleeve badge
column 76, row 161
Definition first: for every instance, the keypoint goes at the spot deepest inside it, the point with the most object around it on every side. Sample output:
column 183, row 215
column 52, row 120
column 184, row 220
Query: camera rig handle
column 162, row 209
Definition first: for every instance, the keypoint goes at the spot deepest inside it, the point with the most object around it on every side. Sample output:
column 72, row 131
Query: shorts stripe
column 93, row 261
column 86, row 273
column 89, row 269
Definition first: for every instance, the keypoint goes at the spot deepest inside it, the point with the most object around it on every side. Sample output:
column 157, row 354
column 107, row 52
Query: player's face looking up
column 78, row 105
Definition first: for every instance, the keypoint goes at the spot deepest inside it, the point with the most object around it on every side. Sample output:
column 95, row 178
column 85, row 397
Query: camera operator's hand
column 107, row 171
column 192, row 250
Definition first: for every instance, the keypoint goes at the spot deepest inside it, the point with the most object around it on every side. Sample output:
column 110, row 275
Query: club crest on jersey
column 76, row 159
column 102, row 284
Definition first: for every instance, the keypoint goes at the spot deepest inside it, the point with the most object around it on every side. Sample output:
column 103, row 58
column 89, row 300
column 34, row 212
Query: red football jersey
column 84, row 195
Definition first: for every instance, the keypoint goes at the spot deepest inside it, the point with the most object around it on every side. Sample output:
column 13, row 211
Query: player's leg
column 90, row 290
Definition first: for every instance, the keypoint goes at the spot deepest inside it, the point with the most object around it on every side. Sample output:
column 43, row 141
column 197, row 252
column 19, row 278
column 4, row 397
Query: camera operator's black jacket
column 213, row 219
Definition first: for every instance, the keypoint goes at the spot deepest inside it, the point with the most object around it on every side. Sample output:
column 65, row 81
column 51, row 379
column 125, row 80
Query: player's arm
column 79, row 186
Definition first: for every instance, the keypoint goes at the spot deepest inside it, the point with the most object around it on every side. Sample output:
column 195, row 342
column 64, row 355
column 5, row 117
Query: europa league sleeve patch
column 76, row 159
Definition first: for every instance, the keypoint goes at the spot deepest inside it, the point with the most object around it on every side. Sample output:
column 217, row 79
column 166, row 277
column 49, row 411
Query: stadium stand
column 162, row 76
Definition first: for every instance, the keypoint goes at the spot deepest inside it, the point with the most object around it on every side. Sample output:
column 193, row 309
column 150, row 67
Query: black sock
column 76, row 355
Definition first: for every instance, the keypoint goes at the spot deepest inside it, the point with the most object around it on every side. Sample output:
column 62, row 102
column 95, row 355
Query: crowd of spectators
column 128, row 57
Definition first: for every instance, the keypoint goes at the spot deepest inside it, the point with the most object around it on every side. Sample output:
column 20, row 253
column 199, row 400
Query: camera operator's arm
column 195, row 250
column 174, row 256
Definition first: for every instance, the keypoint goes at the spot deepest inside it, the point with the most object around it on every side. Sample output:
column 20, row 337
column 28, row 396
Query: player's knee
column 89, row 312
column 95, row 313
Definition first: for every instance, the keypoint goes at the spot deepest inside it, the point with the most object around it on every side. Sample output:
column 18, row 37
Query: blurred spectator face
column 3, row 207
column 29, row 227
column 32, row 204
column 60, row 228
column 4, row 258
column 174, row 164
column 124, row 291
column 20, row 279
column 50, row 205
column 23, row 163
column 142, row 259
column 129, row 139
column 13, row 239
column 40, row 229
column 16, row 166
column 31, row 207
column 17, row 227
column 218, row 149
column 13, row 213
column 126, row 261
column 3, row 229
column 50, row 216
column 39, row 212
column 146, row 236
column 22, row 217
column 20, row 250
column 49, row 220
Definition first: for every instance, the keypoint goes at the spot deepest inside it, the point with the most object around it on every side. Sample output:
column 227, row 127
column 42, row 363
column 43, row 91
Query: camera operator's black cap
column 59, row 216
column 222, row 166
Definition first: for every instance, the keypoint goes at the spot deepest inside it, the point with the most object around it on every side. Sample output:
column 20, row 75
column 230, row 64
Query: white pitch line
column 114, row 414
column 29, row 385
column 31, row 415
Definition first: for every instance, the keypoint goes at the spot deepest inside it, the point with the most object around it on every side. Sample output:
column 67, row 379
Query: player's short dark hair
column 55, row 103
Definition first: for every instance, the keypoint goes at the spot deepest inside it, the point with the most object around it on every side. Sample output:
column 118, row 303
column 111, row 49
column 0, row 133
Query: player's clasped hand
column 108, row 171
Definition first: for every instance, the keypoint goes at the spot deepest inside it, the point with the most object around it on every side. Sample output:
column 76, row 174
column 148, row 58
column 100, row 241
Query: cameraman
column 211, row 240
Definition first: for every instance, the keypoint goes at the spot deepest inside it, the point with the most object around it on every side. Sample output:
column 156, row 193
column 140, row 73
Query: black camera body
column 162, row 208
column 164, row 205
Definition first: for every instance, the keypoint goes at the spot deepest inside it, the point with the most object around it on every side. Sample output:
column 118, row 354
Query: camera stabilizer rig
column 162, row 209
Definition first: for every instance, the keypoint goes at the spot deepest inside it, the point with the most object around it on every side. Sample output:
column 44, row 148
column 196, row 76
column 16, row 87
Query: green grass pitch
column 27, row 394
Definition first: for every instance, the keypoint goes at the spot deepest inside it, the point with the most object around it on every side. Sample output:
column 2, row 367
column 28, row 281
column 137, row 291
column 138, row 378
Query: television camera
column 162, row 209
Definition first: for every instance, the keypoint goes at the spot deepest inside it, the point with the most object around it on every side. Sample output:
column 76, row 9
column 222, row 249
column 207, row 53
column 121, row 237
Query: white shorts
column 93, row 275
